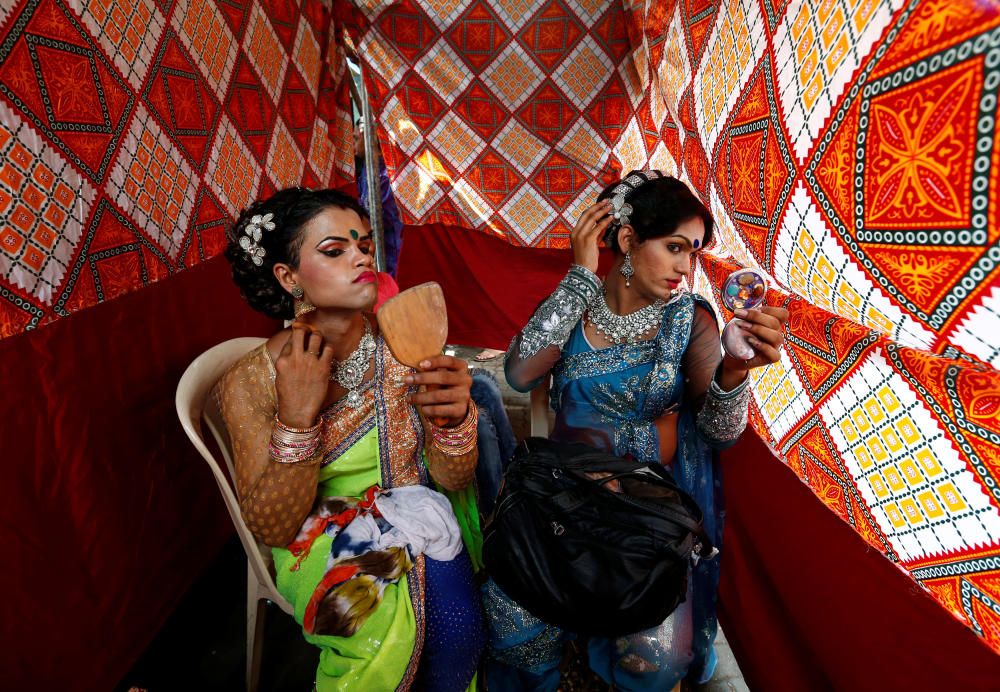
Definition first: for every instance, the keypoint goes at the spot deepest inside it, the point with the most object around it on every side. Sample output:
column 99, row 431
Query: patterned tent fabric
column 131, row 131
column 848, row 148
column 509, row 116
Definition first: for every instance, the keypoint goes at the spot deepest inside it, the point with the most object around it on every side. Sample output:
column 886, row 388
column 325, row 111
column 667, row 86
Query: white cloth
column 422, row 519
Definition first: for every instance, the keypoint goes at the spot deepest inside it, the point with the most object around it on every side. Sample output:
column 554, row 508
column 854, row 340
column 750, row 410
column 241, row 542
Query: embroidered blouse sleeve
column 721, row 416
column 536, row 349
column 274, row 498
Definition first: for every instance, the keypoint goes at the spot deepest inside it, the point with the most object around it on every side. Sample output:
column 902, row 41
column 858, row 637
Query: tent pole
column 372, row 171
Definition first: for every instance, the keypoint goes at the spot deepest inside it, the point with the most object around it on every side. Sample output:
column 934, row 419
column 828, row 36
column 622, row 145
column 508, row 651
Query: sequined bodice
column 609, row 397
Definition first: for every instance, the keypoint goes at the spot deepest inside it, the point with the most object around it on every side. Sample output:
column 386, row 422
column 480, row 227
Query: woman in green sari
column 369, row 507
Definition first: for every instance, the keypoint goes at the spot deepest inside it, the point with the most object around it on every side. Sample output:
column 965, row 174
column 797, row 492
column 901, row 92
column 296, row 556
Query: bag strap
column 695, row 527
column 572, row 499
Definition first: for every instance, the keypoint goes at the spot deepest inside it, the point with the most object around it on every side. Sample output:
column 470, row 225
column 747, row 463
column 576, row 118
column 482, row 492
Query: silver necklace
column 349, row 373
column 619, row 329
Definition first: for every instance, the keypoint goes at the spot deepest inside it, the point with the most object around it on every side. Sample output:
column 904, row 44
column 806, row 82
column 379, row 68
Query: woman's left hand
column 446, row 396
column 765, row 331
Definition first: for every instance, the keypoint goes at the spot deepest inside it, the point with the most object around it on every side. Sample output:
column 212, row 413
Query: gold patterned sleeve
column 275, row 498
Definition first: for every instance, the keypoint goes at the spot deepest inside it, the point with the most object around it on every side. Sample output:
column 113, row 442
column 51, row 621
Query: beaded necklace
column 619, row 329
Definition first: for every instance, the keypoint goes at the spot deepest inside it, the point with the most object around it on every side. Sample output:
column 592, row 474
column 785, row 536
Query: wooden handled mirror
column 415, row 325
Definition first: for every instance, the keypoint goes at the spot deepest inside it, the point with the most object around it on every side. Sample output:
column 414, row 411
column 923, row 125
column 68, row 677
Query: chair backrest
column 193, row 404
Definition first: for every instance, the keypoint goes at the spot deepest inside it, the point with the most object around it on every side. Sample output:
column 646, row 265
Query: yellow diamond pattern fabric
column 848, row 149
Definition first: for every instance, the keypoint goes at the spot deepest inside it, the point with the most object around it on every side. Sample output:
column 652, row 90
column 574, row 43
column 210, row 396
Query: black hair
column 659, row 206
column 292, row 209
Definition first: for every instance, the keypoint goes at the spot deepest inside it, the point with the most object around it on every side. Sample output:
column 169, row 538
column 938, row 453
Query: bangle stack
column 461, row 439
column 292, row 445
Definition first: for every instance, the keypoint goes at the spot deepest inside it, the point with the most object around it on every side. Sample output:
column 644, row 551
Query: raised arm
column 274, row 497
column 536, row 348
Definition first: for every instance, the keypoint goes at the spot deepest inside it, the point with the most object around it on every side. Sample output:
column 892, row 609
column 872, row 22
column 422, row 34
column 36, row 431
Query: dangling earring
column 627, row 270
column 302, row 304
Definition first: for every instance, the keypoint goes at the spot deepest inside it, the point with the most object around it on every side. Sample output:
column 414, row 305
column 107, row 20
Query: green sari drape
column 378, row 444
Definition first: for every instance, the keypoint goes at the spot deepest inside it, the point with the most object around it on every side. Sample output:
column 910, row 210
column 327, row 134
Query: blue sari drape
column 609, row 398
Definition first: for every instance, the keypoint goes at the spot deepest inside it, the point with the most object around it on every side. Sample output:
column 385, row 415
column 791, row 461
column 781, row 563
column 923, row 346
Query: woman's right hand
column 303, row 376
column 586, row 236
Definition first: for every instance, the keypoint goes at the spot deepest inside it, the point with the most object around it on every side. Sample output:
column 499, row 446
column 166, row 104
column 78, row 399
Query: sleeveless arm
column 274, row 498
column 536, row 349
column 720, row 416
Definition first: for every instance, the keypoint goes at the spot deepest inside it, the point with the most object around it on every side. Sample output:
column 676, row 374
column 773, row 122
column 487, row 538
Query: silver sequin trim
column 554, row 320
column 506, row 619
column 618, row 407
column 723, row 418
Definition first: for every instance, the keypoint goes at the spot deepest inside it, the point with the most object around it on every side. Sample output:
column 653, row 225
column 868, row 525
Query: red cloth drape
column 808, row 605
column 491, row 287
column 107, row 513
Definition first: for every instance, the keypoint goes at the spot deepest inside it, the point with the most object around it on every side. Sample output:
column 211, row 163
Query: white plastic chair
column 193, row 404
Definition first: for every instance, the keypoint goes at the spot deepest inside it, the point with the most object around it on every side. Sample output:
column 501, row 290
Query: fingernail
column 740, row 312
column 408, row 379
column 425, row 363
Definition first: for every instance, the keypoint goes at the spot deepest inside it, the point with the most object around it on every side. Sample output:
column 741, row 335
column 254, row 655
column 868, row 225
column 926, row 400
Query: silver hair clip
column 250, row 242
column 622, row 210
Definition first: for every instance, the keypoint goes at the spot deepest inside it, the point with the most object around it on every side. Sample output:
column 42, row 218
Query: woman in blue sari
column 637, row 370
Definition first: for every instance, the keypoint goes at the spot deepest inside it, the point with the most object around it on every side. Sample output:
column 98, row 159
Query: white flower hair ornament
column 620, row 209
column 250, row 241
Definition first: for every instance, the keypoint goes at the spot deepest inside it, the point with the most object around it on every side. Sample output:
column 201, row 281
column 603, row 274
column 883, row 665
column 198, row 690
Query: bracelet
column 461, row 439
column 290, row 429
column 292, row 445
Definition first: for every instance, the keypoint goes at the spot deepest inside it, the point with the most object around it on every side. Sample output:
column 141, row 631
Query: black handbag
column 585, row 558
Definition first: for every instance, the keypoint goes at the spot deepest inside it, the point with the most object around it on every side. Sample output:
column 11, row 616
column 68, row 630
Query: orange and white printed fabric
column 132, row 131
column 847, row 148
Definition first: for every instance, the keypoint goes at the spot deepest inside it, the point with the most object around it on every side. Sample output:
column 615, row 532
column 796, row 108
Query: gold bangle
column 462, row 438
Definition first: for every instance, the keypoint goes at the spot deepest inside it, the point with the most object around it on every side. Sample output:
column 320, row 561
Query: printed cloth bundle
column 375, row 540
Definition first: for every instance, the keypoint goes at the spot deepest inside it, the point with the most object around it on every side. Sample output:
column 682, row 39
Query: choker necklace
column 619, row 329
column 349, row 373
